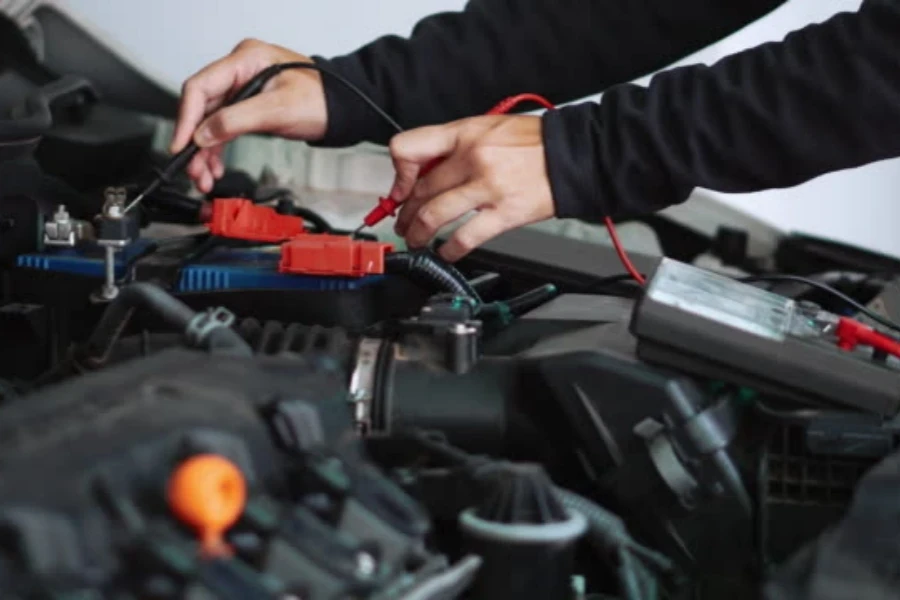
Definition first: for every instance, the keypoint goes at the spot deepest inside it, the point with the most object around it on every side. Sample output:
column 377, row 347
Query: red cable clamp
column 241, row 219
column 852, row 333
column 333, row 255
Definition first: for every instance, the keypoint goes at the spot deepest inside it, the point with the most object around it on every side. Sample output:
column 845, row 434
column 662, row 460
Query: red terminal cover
column 333, row 255
column 241, row 219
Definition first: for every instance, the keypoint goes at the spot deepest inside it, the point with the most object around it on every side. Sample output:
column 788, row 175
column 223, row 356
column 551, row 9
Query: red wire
column 507, row 105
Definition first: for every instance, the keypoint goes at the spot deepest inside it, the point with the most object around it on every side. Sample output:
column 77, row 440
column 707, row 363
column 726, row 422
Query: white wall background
column 174, row 38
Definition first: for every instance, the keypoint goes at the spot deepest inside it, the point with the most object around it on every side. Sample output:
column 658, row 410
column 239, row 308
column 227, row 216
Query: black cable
column 154, row 299
column 319, row 223
column 827, row 289
column 431, row 270
column 340, row 79
column 178, row 162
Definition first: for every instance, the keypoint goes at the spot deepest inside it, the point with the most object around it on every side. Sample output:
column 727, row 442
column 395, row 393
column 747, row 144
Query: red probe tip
column 386, row 207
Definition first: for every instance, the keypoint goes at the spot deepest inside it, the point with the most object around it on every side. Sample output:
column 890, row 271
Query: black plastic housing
column 811, row 370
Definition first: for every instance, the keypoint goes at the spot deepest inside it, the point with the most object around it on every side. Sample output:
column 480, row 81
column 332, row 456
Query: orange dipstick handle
column 208, row 493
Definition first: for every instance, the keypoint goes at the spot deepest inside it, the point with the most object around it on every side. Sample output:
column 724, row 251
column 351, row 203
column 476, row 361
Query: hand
column 292, row 105
column 494, row 165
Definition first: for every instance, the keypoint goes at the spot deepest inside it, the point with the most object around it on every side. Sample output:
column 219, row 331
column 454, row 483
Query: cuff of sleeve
column 350, row 121
column 570, row 155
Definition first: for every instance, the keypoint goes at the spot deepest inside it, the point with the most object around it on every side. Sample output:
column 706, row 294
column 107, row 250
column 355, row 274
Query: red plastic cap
column 240, row 219
column 333, row 255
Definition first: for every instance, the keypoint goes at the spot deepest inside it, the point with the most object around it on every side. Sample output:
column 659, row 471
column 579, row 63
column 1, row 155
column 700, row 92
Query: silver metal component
column 110, row 290
column 206, row 322
column 366, row 565
column 668, row 465
column 117, row 244
column 59, row 231
column 114, row 206
column 134, row 203
column 65, row 231
column 463, row 329
column 362, row 382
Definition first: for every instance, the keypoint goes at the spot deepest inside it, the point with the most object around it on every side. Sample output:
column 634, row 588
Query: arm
column 826, row 98
column 460, row 64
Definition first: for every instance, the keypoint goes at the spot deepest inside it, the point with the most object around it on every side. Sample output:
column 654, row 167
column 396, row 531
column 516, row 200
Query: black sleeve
column 826, row 98
column 460, row 64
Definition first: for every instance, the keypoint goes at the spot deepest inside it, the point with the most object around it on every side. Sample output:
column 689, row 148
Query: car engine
column 227, row 397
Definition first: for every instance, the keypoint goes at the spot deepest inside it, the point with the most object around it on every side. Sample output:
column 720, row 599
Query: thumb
column 417, row 150
column 262, row 113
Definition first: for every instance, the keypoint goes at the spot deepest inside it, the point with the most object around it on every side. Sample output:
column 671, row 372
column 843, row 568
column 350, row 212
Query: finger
column 266, row 112
column 413, row 149
column 484, row 226
column 206, row 181
column 446, row 176
column 204, row 92
column 198, row 165
column 444, row 209
column 214, row 160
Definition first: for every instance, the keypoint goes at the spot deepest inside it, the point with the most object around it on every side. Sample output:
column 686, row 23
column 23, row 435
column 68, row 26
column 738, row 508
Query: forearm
column 459, row 64
column 826, row 98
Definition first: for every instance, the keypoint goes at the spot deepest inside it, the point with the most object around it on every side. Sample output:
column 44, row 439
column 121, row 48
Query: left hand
column 494, row 165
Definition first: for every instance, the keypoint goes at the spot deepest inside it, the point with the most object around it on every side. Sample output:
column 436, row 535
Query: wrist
column 572, row 168
column 348, row 121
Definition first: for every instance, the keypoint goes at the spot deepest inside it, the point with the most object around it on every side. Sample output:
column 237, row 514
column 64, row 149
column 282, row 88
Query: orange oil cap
column 208, row 492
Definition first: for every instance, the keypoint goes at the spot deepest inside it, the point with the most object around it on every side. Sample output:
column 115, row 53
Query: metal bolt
column 110, row 290
column 365, row 564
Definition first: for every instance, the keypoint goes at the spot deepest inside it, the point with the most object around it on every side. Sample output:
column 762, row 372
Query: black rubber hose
column 431, row 270
column 174, row 312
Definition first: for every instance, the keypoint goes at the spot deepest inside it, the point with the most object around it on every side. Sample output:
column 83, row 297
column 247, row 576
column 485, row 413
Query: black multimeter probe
column 251, row 88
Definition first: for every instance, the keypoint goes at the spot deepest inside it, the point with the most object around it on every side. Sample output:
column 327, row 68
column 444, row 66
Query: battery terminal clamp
column 333, row 255
column 239, row 218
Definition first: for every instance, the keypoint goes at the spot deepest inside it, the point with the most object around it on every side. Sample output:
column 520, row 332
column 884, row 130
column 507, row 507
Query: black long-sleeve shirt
column 826, row 98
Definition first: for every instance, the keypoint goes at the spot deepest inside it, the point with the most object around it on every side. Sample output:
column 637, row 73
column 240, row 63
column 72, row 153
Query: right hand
column 292, row 105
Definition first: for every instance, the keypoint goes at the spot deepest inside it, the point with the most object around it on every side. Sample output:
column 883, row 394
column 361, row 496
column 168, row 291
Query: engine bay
column 225, row 396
